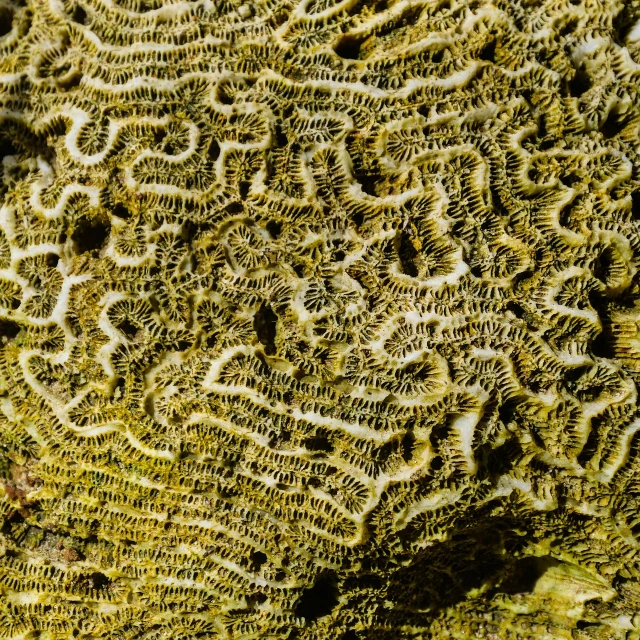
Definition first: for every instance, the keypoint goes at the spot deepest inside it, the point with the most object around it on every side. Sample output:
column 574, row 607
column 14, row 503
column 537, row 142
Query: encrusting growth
column 319, row 320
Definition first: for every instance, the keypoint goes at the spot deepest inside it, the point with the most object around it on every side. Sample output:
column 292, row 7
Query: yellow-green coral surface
column 319, row 320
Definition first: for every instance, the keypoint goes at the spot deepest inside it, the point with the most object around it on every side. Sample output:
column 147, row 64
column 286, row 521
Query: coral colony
column 319, row 320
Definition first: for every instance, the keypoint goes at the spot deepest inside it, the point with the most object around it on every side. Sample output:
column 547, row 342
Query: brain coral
column 320, row 320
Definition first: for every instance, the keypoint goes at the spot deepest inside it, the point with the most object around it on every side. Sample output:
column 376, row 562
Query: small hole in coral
column 613, row 125
column 500, row 460
column 128, row 328
column 358, row 218
column 604, row 265
column 488, row 52
column 580, row 83
column 79, row 15
column 234, row 208
column 6, row 21
column 99, row 580
column 213, row 152
column 408, row 445
column 7, row 148
column 569, row 27
column 274, row 228
column 635, row 205
column 319, row 600
column 583, row 624
column 602, row 347
column 516, row 309
column 257, row 560
column 90, row 235
column 368, row 184
column 439, row 434
column 121, row 211
column 348, row 47
column 265, row 326
column 8, row 331
column 407, row 254
column 350, row 635
column 319, row 443
column 224, row 94
column 437, row 463
column 281, row 137
column 52, row 260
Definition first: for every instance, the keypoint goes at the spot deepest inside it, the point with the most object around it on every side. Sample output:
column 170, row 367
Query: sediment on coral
column 319, row 320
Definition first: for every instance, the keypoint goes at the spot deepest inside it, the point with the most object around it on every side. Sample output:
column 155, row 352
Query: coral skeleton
column 319, row 319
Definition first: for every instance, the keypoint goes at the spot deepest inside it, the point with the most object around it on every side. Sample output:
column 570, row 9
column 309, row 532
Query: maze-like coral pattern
column 319, row 320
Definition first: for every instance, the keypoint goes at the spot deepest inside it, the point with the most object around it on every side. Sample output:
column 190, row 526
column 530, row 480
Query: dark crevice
column 516, row 309
column 498, row 461
column 507, row 412
column 348, row 47
column 635, row 205
column 8, row 331
column 52, row 260
column 213, row 152
column 439, row 434
column 602, row 346
column 525, row 573
column 591, row 445
column 274, row 228
column 79, row 15
column 14, row 518
column 319, row 443
column 622, row 23
column 6, row 21
column 613, row 124
column 368, row 183
column 358, row 218
column 128, row 328
column 408, row 445
column 7, row 148
column 579, row 84
column 257, row 560
column 569, row 27
column 234, row 208
column 604, row 264
column 407, row 254
column 265, row 325
column 121, row 211
column 437, row 57
column 584, row 624
column 319, row 600
column 99, row 580
column 90, row 235
column 488, row 52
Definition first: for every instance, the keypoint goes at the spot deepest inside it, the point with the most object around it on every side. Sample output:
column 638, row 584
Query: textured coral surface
column 319, row 320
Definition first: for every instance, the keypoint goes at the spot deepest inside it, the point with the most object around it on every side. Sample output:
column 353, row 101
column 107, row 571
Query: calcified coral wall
column 320, row 320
